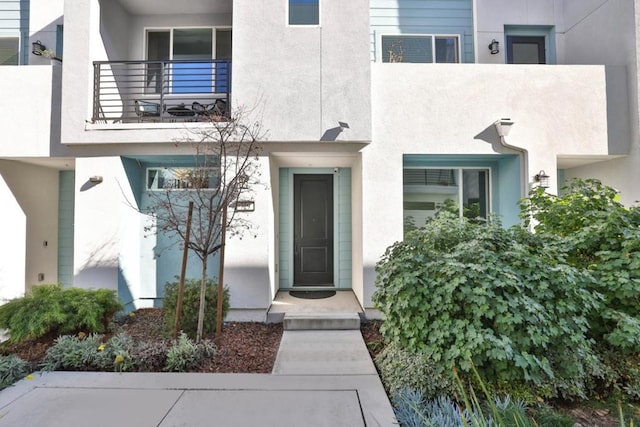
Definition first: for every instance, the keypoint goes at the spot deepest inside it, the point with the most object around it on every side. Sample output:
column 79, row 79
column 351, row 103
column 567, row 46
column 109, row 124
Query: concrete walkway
column 321, row 378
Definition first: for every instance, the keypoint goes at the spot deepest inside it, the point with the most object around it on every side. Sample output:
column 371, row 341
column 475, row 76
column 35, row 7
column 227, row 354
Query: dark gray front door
column 526, row 50
column 313, row 230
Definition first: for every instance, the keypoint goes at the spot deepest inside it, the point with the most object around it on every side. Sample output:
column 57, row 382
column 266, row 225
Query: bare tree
column 224, row 170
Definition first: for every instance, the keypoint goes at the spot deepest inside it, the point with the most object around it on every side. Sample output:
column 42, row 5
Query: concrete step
column 321, row 321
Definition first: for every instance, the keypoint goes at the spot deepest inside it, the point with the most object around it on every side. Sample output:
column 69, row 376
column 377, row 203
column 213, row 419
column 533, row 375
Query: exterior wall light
column 494, row 46
column 542, row 179
column 96, row 179
column 37, row 47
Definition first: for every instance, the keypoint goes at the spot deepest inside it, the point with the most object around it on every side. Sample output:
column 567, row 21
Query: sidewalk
column 336, row 386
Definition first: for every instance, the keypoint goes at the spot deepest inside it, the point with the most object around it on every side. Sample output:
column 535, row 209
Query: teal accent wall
column 342, row 225
column 423, row 17
column 166, row 249
column 66, row 201
column 14, row 22
column 59, row 40
column 505, row 178
column 548, row 32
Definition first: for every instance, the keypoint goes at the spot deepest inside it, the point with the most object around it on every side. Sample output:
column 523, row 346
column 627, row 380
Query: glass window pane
column 414, row 49
column 9, row 51
column 525, row 53
column 475, row 193
column 304, row 12
column 447, row 50
column 192, row 77
column 425, row 192
column 158, row 49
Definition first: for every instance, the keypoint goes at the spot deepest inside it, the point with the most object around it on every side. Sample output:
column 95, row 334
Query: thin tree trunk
column 203, row 289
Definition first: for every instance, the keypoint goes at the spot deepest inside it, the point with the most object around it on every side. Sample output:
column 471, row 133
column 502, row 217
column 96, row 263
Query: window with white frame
column 420, row 48
column 9, row 50
column 427, row 191
column 183, row 178
column 304, row 12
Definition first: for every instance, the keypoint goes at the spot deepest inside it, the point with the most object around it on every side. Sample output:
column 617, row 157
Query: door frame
column 287, row 191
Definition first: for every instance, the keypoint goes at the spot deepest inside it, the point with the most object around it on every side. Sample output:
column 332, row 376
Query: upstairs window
column 304, row 12
column 9, row 49
column 421, row 49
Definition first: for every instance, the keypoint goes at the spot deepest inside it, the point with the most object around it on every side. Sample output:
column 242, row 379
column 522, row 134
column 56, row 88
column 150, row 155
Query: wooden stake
column 221, row 274
column 183, row 272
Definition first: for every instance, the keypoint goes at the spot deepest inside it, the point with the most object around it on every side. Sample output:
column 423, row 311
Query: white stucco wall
column 44, row 17
column 25, row 110
column 307, row 78
column 98, row 222
column 30, row 231
column 450, row 109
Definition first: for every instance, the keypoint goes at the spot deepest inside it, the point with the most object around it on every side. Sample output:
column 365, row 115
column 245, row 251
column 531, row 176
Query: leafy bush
column 603, row 237
column 191, row 304
column 89, row 353
column 12, row 369
column 54, row 309
column 402, row 370
column 461, row 292
column 185, row 355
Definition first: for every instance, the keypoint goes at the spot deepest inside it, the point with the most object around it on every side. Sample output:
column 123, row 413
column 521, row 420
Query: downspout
column 503, row 126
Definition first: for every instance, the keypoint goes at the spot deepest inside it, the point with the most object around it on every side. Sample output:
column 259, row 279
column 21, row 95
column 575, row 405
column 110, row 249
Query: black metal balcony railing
column 161, row 91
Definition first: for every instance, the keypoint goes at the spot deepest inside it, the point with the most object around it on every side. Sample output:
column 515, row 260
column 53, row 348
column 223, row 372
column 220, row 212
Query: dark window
column 525, row 50
column 304, row 12
column 9, row 50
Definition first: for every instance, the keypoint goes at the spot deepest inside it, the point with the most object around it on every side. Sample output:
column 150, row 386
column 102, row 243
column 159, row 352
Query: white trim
column 379, row 36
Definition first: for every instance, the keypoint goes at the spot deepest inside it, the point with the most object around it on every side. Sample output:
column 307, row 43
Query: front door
column 313, row 230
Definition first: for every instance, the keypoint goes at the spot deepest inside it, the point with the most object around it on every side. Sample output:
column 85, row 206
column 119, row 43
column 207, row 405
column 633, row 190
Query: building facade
column 378, row 113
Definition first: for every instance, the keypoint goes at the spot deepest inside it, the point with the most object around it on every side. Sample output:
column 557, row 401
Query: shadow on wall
column 490, row 135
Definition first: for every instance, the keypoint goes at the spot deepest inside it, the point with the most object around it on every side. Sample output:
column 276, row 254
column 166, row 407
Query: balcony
column 161, row 91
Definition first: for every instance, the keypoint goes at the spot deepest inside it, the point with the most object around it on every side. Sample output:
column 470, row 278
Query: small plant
column 54, row 309
column 12, row 369
column 150, row 356
column 190, row 305
column 89, row 353
column 185, row 355
column 73, row 353
column 402, row 370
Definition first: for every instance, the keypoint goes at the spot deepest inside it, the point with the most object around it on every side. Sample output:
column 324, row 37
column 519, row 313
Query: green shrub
column 73, row 353
column 603, row 237
column 54, row 309
column 458, row 291
column 12, row 369
column 191, row 304
column 185, row 355
column 401, row 370
column 89, row 353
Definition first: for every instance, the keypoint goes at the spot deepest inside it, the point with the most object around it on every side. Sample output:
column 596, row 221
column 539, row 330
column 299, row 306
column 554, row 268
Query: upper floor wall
column 599, row 32
column 421, row 17
column 303, row 79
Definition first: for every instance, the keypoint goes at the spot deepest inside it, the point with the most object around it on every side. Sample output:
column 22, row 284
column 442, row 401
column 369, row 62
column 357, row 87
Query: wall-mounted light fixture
column 494, row 46
column 96, row 179
column 542, row 179
column 37, row 47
